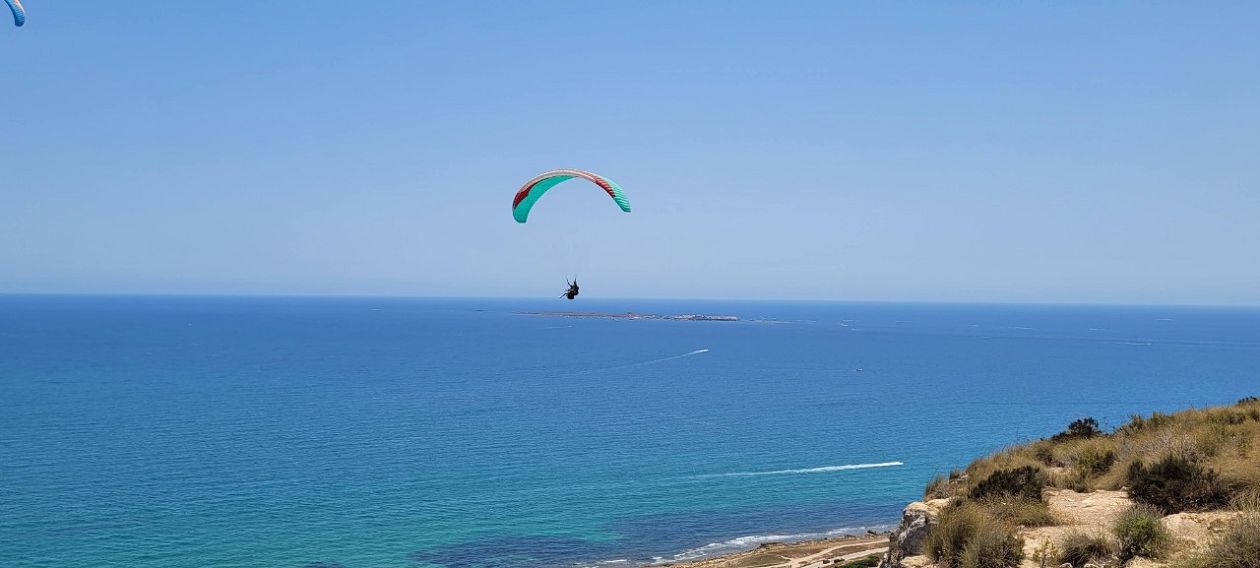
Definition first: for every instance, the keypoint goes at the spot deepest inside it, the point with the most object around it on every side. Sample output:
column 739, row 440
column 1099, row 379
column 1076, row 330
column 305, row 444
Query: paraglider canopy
column 19, row 13
column 535, row 188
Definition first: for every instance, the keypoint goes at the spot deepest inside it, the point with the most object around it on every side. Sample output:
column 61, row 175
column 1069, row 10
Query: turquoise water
column 263, row 432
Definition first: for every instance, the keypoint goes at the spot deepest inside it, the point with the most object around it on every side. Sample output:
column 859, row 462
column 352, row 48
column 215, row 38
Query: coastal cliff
column 1166, row 491
column 1170, row 490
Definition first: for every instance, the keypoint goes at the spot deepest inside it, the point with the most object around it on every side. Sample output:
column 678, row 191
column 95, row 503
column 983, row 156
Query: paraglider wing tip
column 19, row 13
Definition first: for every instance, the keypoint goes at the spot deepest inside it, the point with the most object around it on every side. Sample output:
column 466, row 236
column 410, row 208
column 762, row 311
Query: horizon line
column 617, row 298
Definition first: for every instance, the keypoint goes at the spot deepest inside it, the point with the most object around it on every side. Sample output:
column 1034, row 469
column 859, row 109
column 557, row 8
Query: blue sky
column 1027, row 152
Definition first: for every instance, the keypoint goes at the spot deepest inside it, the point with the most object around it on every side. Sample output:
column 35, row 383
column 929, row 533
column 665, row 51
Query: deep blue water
column 268, row 432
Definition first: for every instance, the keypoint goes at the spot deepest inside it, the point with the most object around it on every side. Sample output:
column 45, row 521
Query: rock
column 907, row 540
column 1197, row 529
column 916, row 520
column 1097, row 508
column 916, row 562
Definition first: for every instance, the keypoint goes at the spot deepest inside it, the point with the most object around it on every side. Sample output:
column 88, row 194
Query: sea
column 144, row 432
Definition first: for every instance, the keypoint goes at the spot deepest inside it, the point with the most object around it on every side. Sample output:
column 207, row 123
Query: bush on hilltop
column 1139, row 533
column 1175, row 484
column 1080, row 548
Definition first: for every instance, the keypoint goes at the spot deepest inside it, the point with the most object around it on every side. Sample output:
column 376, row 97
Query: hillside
column 1179, row 490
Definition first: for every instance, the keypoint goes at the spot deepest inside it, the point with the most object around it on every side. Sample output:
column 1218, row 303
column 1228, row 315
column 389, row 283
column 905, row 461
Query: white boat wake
column 655, row 361
column 823, row 469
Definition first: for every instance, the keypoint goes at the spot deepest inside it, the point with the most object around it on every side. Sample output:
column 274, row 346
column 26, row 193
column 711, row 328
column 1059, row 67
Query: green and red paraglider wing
column 535, row 188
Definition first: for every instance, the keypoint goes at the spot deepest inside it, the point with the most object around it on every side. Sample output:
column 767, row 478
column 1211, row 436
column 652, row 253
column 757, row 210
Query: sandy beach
column 807, row 554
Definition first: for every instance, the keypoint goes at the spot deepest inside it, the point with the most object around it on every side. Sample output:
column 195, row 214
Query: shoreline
column 811, row 553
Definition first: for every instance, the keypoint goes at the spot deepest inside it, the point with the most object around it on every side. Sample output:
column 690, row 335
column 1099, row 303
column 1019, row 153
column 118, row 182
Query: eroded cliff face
column 905, row 543
column 1092, row 513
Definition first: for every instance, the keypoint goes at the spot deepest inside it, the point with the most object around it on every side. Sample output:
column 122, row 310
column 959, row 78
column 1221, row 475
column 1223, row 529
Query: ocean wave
column 823, row 469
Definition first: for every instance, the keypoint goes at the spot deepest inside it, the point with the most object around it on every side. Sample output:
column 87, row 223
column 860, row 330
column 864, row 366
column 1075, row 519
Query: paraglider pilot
column 572, row 292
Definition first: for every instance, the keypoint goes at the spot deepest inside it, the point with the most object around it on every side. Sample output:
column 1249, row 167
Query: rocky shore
column 840, row 552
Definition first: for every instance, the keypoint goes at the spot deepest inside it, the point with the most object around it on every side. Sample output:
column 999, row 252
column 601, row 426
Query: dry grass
column 1238, row 547
column 1018, row 512
column 945, row 486
column 967, row 535
column 993, row 547
column 1224, row 439
column 1222, row 444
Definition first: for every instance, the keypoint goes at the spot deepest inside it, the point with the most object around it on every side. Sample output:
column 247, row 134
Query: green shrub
column 993, row 547
column 1094, row 461
column 865, row 562
column 1080, row 548
column 1078, row 429
column 1043, row 451
column 1024, row 482
column 1175, row 484
column 1157, row 421
column 1139, row 533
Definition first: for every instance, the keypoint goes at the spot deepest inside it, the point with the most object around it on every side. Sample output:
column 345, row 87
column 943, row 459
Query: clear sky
column 996, row 151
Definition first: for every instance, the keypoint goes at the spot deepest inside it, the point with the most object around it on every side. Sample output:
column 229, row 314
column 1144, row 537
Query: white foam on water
column 752, row 541
column 738, row 544
column 823, row 469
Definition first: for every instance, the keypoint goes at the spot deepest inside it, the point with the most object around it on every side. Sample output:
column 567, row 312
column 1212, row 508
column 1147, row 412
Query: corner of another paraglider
column 19, row 13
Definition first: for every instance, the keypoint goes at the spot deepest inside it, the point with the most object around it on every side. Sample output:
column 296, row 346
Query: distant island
column 633, row 316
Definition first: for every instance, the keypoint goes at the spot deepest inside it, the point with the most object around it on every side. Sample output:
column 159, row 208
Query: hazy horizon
column 578, row 307
column 1048, row 154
